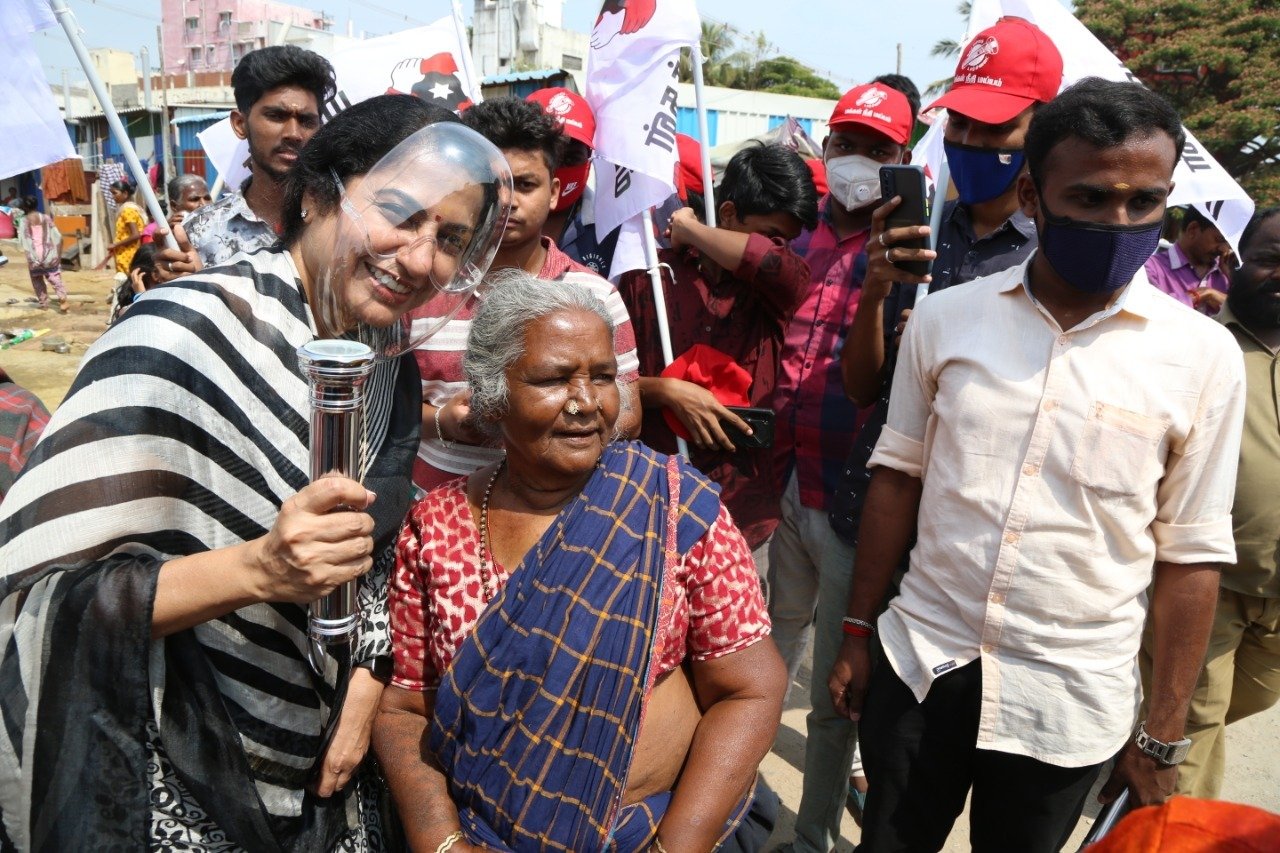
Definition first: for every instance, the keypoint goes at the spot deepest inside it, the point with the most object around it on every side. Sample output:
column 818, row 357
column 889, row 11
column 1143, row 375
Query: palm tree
column 947, row 49
column 718, row 42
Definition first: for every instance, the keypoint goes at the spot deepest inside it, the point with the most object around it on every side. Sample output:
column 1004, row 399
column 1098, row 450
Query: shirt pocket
column 1120, row 451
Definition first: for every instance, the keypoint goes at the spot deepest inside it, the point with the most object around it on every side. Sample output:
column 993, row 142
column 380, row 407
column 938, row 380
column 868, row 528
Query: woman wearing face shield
column 161, row 547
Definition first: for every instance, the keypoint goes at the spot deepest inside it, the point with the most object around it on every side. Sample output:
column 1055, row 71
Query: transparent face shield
column 413, row 239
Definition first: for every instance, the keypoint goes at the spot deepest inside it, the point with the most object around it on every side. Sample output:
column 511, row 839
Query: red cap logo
column 979, row 52
column 873, row 97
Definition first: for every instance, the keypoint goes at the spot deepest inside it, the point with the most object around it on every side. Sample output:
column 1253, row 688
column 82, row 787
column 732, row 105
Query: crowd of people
column 1023, row 529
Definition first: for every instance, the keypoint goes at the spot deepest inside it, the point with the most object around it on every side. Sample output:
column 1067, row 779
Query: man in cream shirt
column 1060, row 446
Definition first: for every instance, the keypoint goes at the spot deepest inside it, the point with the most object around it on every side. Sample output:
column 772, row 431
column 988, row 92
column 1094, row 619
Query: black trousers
column 921, row 760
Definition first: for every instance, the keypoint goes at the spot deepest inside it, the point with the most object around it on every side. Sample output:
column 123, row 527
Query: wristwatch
column 1167, row 754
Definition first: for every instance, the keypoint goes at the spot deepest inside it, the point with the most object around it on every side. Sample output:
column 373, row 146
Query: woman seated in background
column 159, row 551
column 580, row 641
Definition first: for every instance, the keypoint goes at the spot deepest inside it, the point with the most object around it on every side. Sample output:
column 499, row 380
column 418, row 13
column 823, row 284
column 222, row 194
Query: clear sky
column 850, row 41
column 825, row 34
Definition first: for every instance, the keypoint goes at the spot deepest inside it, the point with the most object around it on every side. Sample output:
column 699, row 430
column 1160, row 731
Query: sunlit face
column 385, row 251
column 852, row 139
column 1010, row 135
column 1255, row 286
column 1203, row 244
column 568, row 356
column 1126, row 184
column 194, row 196
column 277, row 127
column 536, row 191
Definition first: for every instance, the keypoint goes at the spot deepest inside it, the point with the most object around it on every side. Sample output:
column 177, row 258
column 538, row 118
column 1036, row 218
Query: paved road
column 1253, row 771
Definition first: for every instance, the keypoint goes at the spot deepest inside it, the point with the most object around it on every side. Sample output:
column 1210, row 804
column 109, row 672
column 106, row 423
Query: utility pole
column 171, row 170
column 146, row 78
column 899, row 57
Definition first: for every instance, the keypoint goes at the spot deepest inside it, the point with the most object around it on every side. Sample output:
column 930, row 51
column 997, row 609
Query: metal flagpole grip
column 336, row 371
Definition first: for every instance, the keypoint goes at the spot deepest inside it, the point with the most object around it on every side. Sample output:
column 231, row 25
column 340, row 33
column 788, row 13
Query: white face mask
column 854, row 181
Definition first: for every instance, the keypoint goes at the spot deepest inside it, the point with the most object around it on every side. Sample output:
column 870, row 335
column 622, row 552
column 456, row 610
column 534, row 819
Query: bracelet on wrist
column 856, row 627
column 448, row 843
column 440, row 430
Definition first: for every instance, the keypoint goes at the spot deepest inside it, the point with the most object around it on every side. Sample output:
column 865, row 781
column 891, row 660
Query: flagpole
column 941, row 186
column 464, row 48
column 68, row 22
column 659, row 300
column 708, row 190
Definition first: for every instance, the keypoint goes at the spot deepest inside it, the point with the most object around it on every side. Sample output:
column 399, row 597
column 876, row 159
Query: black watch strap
column 380, row 667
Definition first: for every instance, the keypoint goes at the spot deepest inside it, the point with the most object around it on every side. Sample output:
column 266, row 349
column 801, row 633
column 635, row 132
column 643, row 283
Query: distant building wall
column 212, row 35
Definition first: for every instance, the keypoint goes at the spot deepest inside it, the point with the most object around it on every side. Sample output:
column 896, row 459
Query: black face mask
column 1094, row 257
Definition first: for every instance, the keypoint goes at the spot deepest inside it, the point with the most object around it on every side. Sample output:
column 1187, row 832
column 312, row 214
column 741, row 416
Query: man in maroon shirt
column 735, row 288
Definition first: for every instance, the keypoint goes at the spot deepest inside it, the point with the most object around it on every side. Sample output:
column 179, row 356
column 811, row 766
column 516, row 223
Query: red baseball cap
column 1002, row 71
column 688, row 166
column 571, row 112
column 878, row 107
column 818, row 169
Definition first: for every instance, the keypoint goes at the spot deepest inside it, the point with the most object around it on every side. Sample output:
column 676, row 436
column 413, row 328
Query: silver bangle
column 448, row 843
column 448, row 444
column 859, row 623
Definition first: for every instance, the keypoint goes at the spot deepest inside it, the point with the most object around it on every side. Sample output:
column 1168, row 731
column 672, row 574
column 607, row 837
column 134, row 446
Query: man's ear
column 1028, row 196
column 239, row 124
column 906, row 156
column 555, row 192
column 726, row 213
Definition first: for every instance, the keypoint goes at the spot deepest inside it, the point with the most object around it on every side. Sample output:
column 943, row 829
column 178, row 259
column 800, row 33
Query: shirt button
column 1050, row 405
column 1062, row 340
column 706, row 328
column 1010, row 538
column 988, row 648
column 1030, row 470
column 818, row 324
column 808, row 364
column 997, row 598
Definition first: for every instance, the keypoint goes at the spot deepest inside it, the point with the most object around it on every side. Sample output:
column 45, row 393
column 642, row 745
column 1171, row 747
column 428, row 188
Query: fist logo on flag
column 979, row 52
column 621, row 17
column 872, row 98
column 434, row 80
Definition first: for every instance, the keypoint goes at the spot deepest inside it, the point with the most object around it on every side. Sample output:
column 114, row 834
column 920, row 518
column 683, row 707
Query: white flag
column 1199, row 179
column 631, row 87
column 426, row 61
column 31, row 126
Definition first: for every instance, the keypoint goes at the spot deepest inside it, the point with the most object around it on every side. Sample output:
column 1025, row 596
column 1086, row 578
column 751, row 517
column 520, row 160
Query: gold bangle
column 448, row 843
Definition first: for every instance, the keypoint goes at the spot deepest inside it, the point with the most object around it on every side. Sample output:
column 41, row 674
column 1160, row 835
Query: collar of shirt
column 1178, row 260
column 1228, row 318
column 1019, row 221
column 1135, row 298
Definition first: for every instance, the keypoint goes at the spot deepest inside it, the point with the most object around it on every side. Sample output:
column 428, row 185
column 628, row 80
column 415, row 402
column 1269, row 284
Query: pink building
column 212, row 35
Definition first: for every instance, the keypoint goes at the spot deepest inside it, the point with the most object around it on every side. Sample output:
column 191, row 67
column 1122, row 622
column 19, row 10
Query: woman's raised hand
column 322, row 538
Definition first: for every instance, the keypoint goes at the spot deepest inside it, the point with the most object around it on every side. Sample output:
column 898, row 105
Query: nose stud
column 572, row 407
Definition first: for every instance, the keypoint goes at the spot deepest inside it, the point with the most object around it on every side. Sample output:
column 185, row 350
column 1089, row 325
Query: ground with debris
column 47, row 373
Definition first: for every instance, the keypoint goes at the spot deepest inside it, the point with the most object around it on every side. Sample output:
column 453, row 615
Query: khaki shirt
column 1057, row 467
column 1256, row 513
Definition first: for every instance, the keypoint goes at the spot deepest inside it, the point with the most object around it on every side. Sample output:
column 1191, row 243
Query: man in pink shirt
column 1191, row 270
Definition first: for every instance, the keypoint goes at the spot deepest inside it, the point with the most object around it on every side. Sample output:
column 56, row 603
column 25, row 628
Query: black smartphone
column 908, row 182
column 761, row 423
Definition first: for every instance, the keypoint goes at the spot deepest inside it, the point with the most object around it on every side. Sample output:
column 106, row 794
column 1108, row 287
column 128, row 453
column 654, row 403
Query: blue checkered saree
column 537, row 717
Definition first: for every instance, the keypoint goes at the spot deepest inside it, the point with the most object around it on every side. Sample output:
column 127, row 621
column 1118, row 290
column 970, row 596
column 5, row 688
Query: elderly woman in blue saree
column 581, row 646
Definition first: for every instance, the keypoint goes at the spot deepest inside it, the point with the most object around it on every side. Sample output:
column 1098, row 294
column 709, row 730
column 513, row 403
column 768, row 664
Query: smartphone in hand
column 907, row 182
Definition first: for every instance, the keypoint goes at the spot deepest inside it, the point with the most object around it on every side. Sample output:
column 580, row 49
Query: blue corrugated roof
column 522, row 76
column 203, row 117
